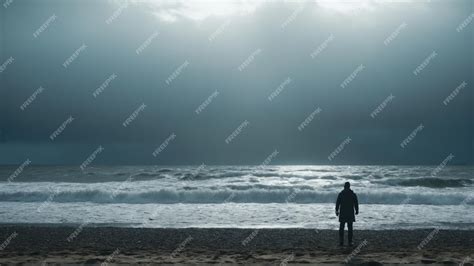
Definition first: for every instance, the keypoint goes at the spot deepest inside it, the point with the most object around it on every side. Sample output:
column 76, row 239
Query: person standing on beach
column 345, row 205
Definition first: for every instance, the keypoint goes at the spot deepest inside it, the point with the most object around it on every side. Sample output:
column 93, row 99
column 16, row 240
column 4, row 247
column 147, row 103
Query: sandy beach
column 96, row 245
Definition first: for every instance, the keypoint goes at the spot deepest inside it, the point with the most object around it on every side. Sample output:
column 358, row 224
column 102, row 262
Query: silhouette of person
column 345, row 205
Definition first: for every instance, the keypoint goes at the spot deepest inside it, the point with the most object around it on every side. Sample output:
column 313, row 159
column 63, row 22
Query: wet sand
column 96, row 245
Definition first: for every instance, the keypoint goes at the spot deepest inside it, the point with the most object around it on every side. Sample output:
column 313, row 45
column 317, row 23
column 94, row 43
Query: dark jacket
column 346, row 204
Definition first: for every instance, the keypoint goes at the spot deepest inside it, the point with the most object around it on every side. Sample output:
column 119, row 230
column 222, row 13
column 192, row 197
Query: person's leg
column 349, row 229
column 341, row 233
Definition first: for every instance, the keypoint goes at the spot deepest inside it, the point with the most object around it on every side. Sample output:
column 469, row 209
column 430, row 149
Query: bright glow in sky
column 171, row 11
column 346, row 7
column 197, row 10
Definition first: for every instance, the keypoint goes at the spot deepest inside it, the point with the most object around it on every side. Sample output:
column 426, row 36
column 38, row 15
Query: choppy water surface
column 238, row 196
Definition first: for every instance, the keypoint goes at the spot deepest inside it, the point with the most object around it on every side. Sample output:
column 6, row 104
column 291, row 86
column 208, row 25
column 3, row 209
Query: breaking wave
column 431, row 182
column 254, row 195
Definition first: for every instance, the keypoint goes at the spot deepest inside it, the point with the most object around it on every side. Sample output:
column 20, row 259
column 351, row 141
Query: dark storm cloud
column 173, row 68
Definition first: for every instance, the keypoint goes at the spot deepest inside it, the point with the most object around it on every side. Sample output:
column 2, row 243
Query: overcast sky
column 377, row 82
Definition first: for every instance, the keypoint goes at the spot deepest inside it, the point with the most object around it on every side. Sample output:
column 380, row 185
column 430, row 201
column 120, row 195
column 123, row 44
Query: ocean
column 390, row 197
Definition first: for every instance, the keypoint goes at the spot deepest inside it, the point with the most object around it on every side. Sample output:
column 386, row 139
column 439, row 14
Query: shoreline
column 132, row 226
column 73, row 244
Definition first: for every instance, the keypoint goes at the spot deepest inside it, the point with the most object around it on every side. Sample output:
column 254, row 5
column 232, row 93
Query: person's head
column 347, row 185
